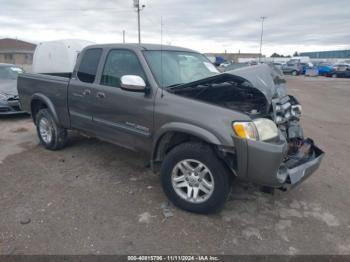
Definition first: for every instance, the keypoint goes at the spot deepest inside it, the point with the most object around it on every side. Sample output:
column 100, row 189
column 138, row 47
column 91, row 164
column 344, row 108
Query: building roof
column 15, row 44
column 327, row 54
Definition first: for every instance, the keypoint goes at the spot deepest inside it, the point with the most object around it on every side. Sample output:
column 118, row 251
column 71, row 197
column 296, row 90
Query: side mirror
column 132, row 83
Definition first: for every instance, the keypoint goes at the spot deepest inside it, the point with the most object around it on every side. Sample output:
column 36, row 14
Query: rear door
column 80, row 99
column 123, row 117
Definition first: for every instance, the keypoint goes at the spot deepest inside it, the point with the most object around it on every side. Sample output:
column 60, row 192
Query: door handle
column 86, row 92
column 100, row 95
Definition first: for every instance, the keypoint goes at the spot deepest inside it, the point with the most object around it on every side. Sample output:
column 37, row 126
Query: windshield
column 9, row 72
column 178, row 67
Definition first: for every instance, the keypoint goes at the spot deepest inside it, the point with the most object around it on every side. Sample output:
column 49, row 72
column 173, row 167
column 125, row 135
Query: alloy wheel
column 192, row 181
column 45, row 130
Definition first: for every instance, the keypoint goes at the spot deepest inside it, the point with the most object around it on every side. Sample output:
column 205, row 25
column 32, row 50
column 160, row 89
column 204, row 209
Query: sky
column 203, row 25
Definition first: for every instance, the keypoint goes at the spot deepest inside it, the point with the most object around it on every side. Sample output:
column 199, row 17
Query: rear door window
column 89, row 64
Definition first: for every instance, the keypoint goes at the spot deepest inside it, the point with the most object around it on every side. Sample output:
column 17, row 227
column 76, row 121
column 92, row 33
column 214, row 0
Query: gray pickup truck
column 201, row 127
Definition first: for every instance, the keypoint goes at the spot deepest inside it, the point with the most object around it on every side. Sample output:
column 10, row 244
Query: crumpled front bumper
column 303, row 170
column 264, row 163
column 11, row 107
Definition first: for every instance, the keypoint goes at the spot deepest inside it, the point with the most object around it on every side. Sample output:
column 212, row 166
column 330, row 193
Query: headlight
column 246, row 130
column 260, row 129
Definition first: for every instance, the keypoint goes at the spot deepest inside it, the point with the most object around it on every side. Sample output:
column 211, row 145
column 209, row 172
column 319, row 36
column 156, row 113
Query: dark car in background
column 9, row 103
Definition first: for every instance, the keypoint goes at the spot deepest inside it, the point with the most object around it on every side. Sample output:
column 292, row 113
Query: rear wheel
column 51, row 135
column 194, row 178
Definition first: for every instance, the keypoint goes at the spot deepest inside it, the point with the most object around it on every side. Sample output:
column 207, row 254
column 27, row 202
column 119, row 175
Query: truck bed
column 52, row 88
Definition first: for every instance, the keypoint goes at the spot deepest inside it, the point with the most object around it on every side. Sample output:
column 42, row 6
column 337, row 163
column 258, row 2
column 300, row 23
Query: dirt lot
column 96, row 198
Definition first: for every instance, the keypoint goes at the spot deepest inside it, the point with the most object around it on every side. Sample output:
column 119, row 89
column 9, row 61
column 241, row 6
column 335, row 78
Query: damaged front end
column 9, row 105
column 9, row 100
column 260, row 92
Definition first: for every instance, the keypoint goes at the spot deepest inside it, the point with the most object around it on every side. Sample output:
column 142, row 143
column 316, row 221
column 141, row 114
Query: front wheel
column 194, row 179
column 51, row 135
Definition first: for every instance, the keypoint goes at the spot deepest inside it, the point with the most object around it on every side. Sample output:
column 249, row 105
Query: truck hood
column 250, row 90
column 8, row 87
column 267, row 79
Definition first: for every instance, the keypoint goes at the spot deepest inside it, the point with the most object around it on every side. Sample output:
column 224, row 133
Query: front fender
column 196, row 131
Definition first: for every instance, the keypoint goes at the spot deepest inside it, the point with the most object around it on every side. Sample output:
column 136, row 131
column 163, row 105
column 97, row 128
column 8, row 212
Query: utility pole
column 261, row 36
column 138, row 10
column 14, row 53
column 123, row 36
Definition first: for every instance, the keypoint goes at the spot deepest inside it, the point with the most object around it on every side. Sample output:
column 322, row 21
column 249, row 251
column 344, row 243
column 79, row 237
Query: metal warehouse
column 328, row 54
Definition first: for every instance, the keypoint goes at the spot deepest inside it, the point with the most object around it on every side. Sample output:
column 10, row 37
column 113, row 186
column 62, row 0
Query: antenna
column 161, row 54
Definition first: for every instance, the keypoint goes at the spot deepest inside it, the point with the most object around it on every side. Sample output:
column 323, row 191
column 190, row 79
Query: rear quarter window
column 88, row 65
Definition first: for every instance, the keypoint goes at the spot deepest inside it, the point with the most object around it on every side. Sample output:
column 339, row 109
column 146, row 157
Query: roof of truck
column 143, row 47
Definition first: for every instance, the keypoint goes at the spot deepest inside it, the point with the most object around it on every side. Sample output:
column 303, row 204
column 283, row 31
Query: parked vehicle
column 235, row 66
column 219, row 60
column 278, row 65
column 305, row 66
column 340, row 70
column 9, row 103
column 324, row 68
column 340, row 66
column 225, row 64
column 201, row 127
column 293, row 68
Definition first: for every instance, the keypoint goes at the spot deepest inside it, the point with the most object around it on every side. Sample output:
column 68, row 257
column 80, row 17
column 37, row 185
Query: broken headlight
column 259, row 129
column 296, row 110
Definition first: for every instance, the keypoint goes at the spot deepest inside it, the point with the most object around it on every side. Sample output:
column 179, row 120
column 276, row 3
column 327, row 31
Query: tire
column 213, row 172
column 294, row 73
column 51, row 135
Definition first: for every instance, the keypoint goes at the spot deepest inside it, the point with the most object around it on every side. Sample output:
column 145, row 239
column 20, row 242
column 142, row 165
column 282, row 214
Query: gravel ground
column 96, row 198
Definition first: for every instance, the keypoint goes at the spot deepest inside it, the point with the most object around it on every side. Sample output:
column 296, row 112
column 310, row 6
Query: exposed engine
column 227, row 91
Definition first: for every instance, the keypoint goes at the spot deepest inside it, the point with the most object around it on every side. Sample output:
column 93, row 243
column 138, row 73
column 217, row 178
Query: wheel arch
column 40, row 101
column 173, row 134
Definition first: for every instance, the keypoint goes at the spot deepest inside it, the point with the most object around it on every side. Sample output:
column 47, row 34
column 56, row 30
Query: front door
column 120, row 116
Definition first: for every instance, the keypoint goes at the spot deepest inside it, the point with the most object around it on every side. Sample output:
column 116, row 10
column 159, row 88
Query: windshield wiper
column 179, row 84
